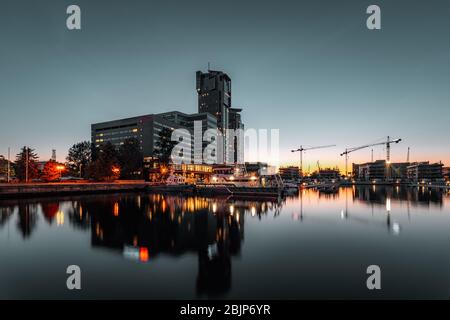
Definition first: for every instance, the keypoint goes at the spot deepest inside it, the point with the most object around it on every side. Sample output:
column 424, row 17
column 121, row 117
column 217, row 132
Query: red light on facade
column 143, row 254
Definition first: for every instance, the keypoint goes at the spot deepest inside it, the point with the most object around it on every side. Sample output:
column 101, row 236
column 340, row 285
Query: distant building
column 372, row 170
column 379, row 170
column 326, row 174
column 4, row 169
column 355, row 170
column 425, row 171
column 446, row 173
column 398, row 170
column 289, row 173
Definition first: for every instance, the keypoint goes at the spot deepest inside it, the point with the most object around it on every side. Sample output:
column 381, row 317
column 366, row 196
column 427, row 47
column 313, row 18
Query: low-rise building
column 291, row 173
column 380, row 170
column 4, row 169
column 425, row 171
column 327, row 174
column 398, row 171
column 446, row 173
column 372, row 171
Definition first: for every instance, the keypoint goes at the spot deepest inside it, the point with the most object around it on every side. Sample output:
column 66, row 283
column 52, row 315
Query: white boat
column 248, row 181
column 290, row 185
column 174, row 180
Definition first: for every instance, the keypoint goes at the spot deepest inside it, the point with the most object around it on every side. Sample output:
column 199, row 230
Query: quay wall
column 41, row 189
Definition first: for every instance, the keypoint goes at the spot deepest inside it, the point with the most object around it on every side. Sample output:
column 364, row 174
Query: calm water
column 310, row 245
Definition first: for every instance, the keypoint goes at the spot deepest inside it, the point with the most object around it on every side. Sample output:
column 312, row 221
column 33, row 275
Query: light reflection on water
column 308, row 245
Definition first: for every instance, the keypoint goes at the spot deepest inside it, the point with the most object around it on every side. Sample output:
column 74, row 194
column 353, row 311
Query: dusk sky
column 309, row 68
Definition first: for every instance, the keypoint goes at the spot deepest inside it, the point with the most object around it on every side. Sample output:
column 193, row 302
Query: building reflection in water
column 414, row 196
column 143, row 227
column 146, row 226
column 28, row 215
column 376, row 195
column 372, row 196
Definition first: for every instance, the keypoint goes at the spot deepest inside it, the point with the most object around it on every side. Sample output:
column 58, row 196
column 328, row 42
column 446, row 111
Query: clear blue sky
column 310, row 68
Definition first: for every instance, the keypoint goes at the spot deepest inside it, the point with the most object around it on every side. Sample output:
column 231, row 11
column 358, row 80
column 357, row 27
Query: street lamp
column 9, row 164
column 60, row 168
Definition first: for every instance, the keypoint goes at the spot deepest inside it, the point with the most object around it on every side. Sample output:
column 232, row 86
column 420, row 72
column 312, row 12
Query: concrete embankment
column 54, row 189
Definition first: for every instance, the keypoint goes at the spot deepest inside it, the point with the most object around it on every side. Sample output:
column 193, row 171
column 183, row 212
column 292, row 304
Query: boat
column 174, row 180
column 251, row 186
column 173, row 184
column 290, row 187
column 331, row 187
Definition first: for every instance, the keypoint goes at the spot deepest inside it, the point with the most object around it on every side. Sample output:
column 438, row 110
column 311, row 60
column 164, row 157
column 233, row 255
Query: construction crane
column 387, row 143
column 301, row 149
column 318, row 169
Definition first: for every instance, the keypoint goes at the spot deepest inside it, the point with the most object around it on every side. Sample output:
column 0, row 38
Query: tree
column 26, row 160
column 163, row 150
column 130, row 159
column 51, row 171
column 78, row 158
column 106, row 166
column 164, row 146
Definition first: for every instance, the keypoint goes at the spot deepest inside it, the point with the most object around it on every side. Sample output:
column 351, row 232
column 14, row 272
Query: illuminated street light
column 60, row 168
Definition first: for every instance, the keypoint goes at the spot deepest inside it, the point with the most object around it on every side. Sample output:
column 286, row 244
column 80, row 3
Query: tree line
column 86, row 161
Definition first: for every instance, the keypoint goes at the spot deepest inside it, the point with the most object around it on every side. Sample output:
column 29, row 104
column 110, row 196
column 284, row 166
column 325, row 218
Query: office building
column 205, row 121
column 214, row 97
column 214, row 114
column 145, row 129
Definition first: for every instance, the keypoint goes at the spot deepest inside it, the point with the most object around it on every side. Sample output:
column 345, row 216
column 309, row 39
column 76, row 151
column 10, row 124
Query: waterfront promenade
column 61, row 188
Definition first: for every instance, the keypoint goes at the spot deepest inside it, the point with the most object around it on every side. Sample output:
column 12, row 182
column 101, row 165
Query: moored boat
column 243, row 185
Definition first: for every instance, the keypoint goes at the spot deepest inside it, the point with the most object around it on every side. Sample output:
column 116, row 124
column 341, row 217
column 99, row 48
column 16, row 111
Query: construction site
column 379, row 171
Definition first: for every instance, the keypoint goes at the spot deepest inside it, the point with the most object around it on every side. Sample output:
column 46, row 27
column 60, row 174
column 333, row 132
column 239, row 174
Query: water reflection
column 144, row 227
column 414, row 196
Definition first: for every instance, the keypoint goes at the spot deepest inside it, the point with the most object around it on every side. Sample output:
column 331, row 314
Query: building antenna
column 208, row 66
column 407, row 156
